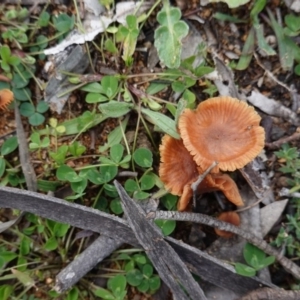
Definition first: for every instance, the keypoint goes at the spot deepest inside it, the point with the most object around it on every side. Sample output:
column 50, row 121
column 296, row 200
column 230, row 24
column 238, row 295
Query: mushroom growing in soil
column 178, row 171
column 6, row 97
column 229, row 217
column 222, row 129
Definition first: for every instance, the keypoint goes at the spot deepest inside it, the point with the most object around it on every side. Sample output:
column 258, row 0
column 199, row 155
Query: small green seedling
column 33, row 113
column 168, row 36
column 102, row 92
column 8, row 60
column 130, row 34
column 256, row 260
column 116, row 289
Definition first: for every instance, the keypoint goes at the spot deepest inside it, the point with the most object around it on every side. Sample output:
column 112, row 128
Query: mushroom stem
column 194, row 185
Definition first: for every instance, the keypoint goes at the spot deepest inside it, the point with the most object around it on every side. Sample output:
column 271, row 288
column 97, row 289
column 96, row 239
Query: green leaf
column 60, row 229
column 166, row 226
column 36, row 119
column 110, row 86
column 23, row 277
column 9, row 146
column 259, row 5
column 147, row 181
column 44, row 19
column 130, row 35
column 169, row 201
column 66, row 173
column 25, row 246
column 94, row 87
column 247, row 52
column 229, row 18
column 154, row 88
column 143, row 286
column 73, row 294
column 110, row 46
column 117, row 284
column 5, row 53
column 134, row 277
column 42, row 41
column 51, row 244
column 23, row 94
column 76, row 149
column 232, row 3
column 95, row 177
column 131, row 185
column 116, row 152
column 140, row 258
column 147, row 270
column 297, row 70
column 6, row 291
column 79, row 186
column 2, row 166
column 203, row 70
column 253, row 255
column 140, row 195
column 143, row 157
column 115, row 109
column 268, row 261
column 42, row 107
column 293, row 22
column 27, row 109
column 108, row 173
column 95, row 98
column 154, row 283
column 244, row 270
column 63, row 22
column 19, row 81
column 166, row 124
column 262, row 43
column 116, row 207
column 285, row 47
column 104, row 294
column 168, row 36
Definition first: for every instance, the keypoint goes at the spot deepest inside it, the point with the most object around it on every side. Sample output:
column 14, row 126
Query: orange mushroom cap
column 229, row 217
column 177, row 167
column 6, row 97
column 178, row 171
column 222, row 129
column 225, row 184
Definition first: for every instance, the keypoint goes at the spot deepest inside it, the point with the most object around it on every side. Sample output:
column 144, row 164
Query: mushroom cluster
column 222, row 129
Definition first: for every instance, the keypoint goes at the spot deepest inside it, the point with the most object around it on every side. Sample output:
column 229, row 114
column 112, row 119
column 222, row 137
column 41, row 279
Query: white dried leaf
column 272, row 107
column 93, row 25
column 270, row 214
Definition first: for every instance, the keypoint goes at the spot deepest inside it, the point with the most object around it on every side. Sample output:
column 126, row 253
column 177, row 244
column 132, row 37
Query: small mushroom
column 178, row 171
column 229, row 217
column 6, row 97
column 222, row 129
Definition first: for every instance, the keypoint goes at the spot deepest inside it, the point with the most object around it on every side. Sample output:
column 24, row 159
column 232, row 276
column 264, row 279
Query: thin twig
column 250, row 206
column 194, row 185
column 271, row 75
column 290, row 266
column 276, row 144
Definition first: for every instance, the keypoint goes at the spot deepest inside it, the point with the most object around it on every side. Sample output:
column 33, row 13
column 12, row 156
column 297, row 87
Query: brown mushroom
column 6, row 97
column 178, row 171
column 222, row 129
column 225, row 184
column 229, row 217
